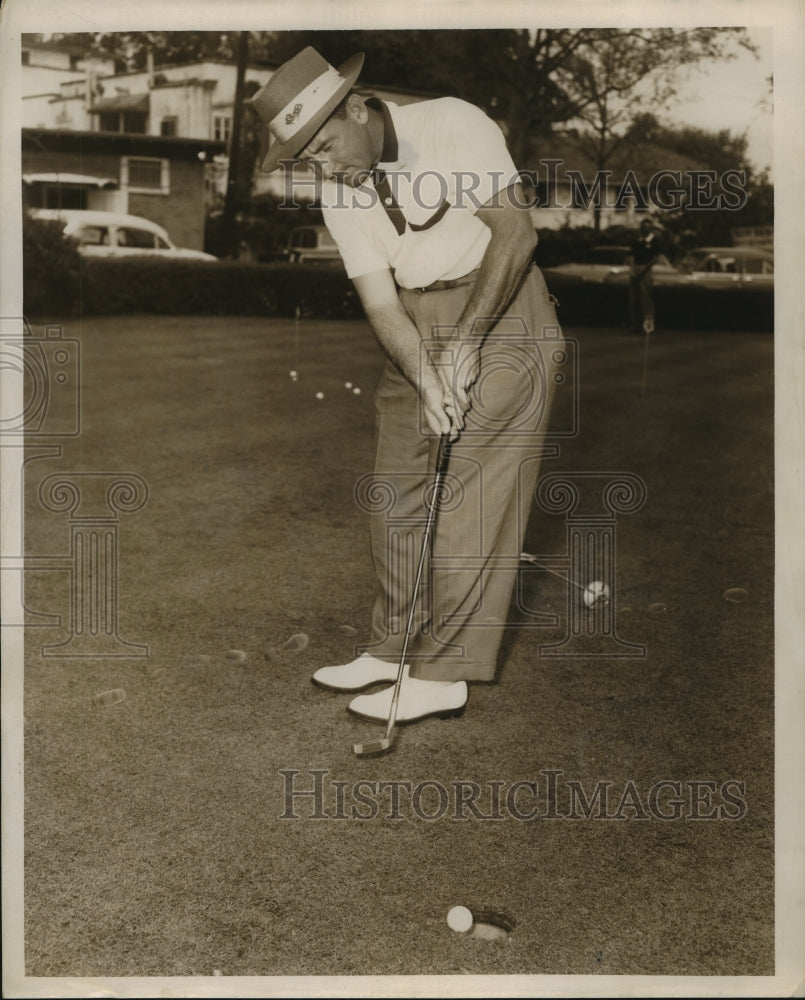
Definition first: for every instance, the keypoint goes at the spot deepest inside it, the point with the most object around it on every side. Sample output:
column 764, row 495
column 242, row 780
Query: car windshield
column 705, row 261
column 726, row 263
column 758, row 265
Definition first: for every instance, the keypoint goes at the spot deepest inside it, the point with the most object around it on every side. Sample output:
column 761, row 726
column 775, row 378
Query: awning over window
column 85, row 180
column 121, row 102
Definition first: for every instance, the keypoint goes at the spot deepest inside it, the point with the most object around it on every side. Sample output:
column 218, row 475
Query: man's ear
column 356, row 106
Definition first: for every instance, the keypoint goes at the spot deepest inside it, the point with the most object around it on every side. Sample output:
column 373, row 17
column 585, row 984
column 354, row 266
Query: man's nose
column 328, row 168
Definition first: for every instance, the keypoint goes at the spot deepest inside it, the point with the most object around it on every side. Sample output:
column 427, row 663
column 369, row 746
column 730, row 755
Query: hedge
column 51, row 266
column 677, row 307
column 223, row 287
column 56, row 284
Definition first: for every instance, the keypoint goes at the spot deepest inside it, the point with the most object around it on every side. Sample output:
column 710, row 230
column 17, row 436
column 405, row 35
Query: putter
column 527, row 557
column 374, row 747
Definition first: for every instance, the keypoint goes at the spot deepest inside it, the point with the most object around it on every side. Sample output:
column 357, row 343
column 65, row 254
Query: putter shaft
column 380, row 746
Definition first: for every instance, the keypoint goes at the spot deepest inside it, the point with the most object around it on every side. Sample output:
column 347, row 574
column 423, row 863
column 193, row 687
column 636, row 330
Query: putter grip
column 442, row 454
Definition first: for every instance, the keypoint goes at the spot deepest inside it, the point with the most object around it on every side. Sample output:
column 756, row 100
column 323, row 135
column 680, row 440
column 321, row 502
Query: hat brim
column 285, row 150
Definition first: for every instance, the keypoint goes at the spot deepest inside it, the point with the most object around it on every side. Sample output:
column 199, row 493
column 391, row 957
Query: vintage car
column 311, row 245
column 115, row 234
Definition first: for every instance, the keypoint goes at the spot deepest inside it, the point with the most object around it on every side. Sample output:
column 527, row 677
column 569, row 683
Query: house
column 94, row 139
column 159, row 177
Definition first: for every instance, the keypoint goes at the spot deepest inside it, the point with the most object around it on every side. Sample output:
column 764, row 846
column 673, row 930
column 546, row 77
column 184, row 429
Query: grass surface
column 154, row 844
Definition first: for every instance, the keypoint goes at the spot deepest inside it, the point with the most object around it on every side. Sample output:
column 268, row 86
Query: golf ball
column 595, row 592
column 294, row 375
column 319, row 395
column 347, row 385
column 460, row 919
column 357, row 391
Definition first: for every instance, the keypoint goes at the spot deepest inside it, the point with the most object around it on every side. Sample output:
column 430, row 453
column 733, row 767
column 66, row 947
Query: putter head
column 372, row 748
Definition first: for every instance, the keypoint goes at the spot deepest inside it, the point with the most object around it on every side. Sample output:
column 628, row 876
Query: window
column 93, row 236
column 145, row 173
column 222, row 127
column 134, row 121
column 109, row 121
column 758, row 265
column 26, row 57
column 61, row 196
column 303, row 238
column 140, row 239
column 168, row 126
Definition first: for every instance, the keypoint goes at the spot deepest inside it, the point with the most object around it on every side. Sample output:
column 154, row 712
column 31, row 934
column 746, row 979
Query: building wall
column 36, row 161
column 191, row 105
column 47, row 111
column 46, row 57
column 194, row 107
column 48, row 69
column 182, row 211
column 45, row 79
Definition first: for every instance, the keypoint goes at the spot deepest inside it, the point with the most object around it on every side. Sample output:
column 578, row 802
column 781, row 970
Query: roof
column 69, row 47
column 736, row 251
column 73, row 216
column 644, row 159
column 121, row 102
column 120, row 143
column 87, row 180
column 186, row 81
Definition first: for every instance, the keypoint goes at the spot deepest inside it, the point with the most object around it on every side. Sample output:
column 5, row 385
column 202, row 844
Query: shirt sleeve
column 476, row 158
column 358, row 249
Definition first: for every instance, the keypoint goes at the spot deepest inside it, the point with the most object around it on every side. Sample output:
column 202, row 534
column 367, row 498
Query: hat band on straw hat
column 306, row 105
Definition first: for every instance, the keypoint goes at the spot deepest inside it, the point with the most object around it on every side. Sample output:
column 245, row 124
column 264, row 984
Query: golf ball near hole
column 319, row 395
column 460, row 919
column 595, row 592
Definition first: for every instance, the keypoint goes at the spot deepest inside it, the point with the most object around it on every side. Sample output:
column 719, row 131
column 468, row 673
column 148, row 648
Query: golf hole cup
column 460, row 919
column 595, row 592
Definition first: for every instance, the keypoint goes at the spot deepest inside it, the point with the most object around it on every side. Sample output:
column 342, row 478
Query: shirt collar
column 390, row 153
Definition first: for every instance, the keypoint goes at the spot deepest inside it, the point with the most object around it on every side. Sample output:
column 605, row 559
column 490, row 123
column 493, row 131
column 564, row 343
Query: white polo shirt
column 451, row 159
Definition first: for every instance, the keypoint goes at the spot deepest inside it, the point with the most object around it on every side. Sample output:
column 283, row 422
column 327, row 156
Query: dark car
column 605, row 263
column 721, row 267
column 312, row 245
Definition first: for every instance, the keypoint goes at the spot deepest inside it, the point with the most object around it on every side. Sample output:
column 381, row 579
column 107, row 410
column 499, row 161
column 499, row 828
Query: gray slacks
column 464, row 603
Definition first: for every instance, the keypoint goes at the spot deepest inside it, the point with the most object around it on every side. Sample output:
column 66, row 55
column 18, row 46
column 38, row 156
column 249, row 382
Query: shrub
column 51, row 269
column 573, row 244
column 224, row 287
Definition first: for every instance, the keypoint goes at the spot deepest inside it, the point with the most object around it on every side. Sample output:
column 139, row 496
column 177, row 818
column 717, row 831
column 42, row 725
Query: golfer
column 424, row 203
column 645, row 251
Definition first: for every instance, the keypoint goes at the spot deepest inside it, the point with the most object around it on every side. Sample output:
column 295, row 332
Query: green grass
column 153, row 840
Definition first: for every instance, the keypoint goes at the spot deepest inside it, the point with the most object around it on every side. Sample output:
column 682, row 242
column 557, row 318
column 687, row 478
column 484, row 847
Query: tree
column 235, row 148
column 510, row 73
column 716, row 151
column 615, row 76
column 130, row 48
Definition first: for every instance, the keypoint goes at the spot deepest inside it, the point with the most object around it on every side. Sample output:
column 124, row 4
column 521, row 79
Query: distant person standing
column 645, row 251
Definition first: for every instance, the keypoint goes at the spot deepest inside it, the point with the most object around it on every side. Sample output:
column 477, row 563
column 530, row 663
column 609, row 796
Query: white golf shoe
column 356, row 676
column 418, row 700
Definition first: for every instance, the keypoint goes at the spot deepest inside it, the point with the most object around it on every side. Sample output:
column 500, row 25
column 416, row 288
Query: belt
column 443, row 285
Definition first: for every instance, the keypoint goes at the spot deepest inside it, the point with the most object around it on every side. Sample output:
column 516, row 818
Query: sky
column 733, row 95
